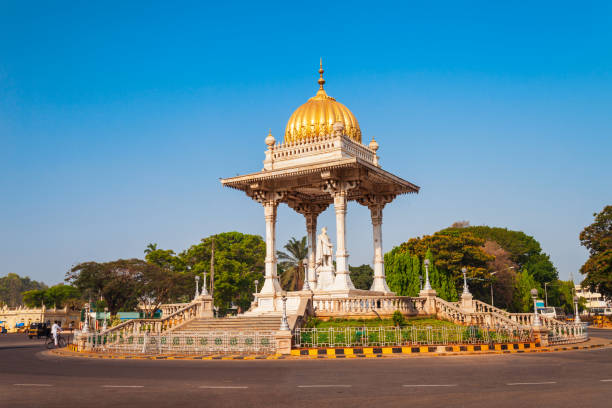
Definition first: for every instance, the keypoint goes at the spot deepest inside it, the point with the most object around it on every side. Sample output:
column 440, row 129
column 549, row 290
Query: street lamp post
column 577, row 315
column 421, row 282
column 536, row 319
column 466, row 291
column 306, row 285
column 197, row 292
column 204, row 290
column 427, row 284
column 284, row 322
column 105, row 324
column 546, row 294
column 256, row 282
column 86, row 322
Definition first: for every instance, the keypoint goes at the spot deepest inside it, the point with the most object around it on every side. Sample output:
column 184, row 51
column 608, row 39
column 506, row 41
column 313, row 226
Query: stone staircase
column 267, row 322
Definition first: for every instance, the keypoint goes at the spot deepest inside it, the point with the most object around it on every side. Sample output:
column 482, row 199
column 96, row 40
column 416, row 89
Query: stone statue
column 324, row 249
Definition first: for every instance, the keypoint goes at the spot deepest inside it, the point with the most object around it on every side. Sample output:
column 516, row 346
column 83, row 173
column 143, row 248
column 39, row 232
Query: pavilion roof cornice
column 375, row 174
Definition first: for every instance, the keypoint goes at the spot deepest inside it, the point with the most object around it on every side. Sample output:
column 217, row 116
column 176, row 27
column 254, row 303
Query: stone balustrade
column 367, row 305
column 341, row 146
column 200, row 307
column 483, row 307
column 560, row 332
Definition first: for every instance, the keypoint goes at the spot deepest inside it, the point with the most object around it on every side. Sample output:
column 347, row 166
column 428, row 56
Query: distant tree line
column 511, row 261
column 12, row 287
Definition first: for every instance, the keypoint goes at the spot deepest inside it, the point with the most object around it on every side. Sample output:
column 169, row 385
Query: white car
column 552, row 312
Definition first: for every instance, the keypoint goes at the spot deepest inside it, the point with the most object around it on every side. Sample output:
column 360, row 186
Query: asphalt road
column 29, row 377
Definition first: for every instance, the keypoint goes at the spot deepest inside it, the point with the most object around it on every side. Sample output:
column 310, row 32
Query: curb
column 346, row 352
column 350, row 352
column 86, row 354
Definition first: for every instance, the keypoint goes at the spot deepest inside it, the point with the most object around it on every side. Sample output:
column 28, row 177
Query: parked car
column 39, row 330
column 552, row 312
column 602, row 311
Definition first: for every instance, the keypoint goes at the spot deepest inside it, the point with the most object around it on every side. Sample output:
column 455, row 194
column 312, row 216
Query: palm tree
column 150, row 248
column 292, row 275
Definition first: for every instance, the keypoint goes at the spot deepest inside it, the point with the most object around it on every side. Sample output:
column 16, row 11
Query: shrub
column 398, row 318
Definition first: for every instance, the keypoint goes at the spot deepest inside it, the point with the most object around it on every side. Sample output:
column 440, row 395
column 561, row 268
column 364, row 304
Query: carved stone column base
column 467, row 302
column 283, row 342
column 541, row 335
column 326, row 278
column 430, row 303
column 380, row 285
column 206, row 306
column 342, row 282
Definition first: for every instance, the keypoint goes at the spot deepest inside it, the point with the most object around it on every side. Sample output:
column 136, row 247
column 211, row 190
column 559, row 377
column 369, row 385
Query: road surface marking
column 325, row 386
column 533, row 383
column 224, row 387
column 123, row 386
column 33, row 385
column 605, row 380
column 429, row 385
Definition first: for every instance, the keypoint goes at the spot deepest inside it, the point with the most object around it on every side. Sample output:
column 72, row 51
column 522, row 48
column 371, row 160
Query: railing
column 319, row 145
column 483, row 307
column 184, row 343
column 559, row 332
column 406, row 336
column 156, row 326
column 368, row 304
column 169, row 308
column 492, row 318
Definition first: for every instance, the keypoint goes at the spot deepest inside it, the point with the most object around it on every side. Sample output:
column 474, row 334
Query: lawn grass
column 416, row 321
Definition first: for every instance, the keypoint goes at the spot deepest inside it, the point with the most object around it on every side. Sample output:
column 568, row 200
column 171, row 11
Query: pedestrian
column 54, row 331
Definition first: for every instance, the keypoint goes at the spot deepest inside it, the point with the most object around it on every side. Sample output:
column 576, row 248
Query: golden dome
column 317, row 117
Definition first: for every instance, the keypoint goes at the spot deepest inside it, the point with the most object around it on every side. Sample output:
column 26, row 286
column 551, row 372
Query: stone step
column 243, row 323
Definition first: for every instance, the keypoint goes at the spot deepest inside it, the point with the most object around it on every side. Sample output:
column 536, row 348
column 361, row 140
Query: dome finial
column 270, row 140
column 321, row 80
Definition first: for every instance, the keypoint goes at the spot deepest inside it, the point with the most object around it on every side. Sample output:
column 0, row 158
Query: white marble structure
column 322, row 161
column 324, row 269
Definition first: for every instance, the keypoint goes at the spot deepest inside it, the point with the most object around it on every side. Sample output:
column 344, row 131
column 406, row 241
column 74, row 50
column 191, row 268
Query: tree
column 522, row 301
column 239, row 261
column 502, row 277
column 453, row 250
column 525, row 252
column 402, row 272
column 34, row 298
column 12, row 287
column 597, row 238
column 561, row 294
column 126, row 283
column 291, row 263
column 58, row 296
column 113, row 281
column 362, row 276
column 157, row 285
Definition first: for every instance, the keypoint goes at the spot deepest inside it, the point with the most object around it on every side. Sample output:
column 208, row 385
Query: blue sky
column 117, row 120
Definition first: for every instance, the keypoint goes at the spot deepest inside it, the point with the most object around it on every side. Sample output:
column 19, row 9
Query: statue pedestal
column 326, row 277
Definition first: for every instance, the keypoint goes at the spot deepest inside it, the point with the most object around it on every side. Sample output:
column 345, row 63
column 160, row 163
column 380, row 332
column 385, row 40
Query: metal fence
column 184, row 343
column 405, row 336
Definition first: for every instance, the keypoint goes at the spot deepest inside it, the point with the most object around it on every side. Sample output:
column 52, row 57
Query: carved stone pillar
column 339, row 191
column 311, row 230
column 311, row 212
column 376, row 203
column 270, row 201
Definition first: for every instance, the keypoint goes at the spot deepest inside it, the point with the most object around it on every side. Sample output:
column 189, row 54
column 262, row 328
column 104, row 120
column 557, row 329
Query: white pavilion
column 321, row 161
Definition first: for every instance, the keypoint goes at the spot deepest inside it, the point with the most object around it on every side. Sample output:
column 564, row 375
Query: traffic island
column 352, row 352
